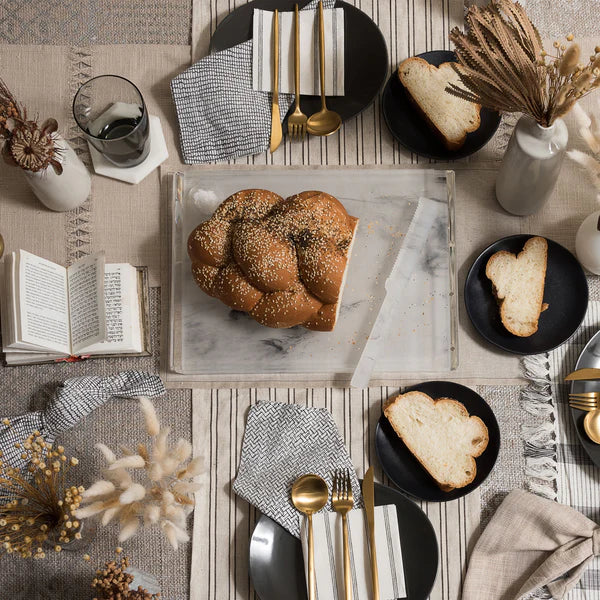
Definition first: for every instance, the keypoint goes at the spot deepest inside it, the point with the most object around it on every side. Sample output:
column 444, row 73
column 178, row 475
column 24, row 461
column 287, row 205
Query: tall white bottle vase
column 531, row 166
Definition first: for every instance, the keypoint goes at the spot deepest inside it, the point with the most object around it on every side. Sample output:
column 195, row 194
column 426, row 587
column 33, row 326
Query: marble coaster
column 158, row 154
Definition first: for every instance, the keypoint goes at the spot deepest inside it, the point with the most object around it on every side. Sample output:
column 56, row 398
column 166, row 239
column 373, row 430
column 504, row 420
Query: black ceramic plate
column 566, row 293
column 276, row 563
column 411, row 130
column 589, row 357
column 405, row 470
column 365, row 60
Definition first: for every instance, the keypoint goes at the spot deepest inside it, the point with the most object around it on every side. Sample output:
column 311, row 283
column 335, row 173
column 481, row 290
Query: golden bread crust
column 282, row 261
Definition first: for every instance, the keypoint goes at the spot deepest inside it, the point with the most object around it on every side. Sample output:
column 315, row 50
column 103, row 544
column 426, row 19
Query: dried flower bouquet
column 26, row 144
column 37, row 505
column 151, row 484
column 503, row 65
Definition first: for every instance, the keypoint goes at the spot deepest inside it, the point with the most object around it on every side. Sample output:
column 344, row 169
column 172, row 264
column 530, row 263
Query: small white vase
column 531, row 165
column 66, row 191
column 587, row 243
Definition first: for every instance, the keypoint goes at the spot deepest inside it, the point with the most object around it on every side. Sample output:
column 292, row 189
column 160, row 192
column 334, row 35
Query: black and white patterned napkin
column 220, row 115
column 281, row 443
column 76, row 398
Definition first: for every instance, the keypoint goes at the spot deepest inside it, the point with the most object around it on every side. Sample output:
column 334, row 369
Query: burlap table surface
column 125, row 221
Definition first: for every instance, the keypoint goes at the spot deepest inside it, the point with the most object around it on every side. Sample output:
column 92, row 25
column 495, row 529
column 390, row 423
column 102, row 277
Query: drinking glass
column 112, row 113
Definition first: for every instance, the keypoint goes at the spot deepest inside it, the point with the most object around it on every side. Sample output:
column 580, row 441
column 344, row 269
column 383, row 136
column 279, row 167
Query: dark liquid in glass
column 124, row 141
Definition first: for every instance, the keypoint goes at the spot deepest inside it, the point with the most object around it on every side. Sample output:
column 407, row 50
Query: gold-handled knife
column 583, row 375
column 276, row 133
column 368, row 490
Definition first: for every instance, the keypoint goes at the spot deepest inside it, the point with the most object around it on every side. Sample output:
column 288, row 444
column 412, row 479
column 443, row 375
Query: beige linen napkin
column 530, row 542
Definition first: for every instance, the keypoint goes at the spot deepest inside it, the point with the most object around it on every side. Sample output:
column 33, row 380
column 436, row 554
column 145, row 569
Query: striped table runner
column 223, row 522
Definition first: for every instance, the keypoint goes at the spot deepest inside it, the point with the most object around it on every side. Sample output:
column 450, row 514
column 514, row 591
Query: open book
column 50, row 312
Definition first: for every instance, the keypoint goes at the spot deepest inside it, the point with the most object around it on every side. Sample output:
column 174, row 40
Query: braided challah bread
column 282, row 261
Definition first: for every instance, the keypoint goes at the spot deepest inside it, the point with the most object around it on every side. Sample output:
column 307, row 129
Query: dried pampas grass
column 503, row 65
column 150, row 487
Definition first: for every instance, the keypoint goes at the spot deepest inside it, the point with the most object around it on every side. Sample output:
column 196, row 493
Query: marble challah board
column 208, row 338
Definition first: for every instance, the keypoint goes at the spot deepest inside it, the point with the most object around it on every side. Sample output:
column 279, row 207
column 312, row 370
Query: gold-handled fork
column 297, row 120
column 343, row 501
column 584, row 400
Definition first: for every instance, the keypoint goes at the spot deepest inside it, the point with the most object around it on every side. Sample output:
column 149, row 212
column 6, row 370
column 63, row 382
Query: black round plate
column 365, row 59
column 589, row 357
column 405, row 470
column 410, row 129
column 566, row 293
column 276, row 563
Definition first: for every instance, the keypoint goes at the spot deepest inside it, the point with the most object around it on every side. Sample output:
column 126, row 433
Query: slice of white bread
column 451, row 117
column 441, row 435
column 518, row 284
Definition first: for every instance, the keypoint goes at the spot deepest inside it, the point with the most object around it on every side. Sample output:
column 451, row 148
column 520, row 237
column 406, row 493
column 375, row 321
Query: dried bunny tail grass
column 109, row 514
column 582, row 119
column 134, row 461
column 151, row 514
column 129, row 527
column 194, row 467
column 186, row 487
column 174, row 513
column 591, row 165
column 155, row 471
column 120, row 477
column 109, row 455
column 134, row 493
column 152, row 423
column 592, row 141
column 183, row 450
column 174, row 534
column 90, row 510
column 160, row 444
column 100, row 488
column 169, row 465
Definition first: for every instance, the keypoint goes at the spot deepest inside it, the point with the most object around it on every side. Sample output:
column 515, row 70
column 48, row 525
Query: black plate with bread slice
column 565, row 299
column 408, row 125
column 405, row 470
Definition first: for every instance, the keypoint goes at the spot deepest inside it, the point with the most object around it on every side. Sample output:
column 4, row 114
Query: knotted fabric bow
column 72, row 401
column 530, row 542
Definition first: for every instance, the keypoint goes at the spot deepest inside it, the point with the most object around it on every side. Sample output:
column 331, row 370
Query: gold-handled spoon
column 309, row 495
column 324, row 122
column 591, row 424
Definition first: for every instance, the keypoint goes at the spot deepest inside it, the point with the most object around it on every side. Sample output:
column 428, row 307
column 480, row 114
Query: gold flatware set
column 310, row 494
column 587, row 401
column 322, row 123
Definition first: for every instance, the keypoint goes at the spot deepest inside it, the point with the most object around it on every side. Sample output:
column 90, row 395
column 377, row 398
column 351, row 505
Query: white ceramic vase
column 66, row 191
column 531, row 165
column 587, row 243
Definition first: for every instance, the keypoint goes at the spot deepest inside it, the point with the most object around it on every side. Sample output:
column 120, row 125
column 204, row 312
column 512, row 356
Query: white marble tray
column 208, row 338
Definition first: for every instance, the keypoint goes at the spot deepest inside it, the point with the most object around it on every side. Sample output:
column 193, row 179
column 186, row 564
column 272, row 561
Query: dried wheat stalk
column 503, row 65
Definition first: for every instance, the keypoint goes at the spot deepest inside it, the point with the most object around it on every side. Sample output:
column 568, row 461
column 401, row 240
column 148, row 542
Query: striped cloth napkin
column 262, row 52
column 329, row 557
